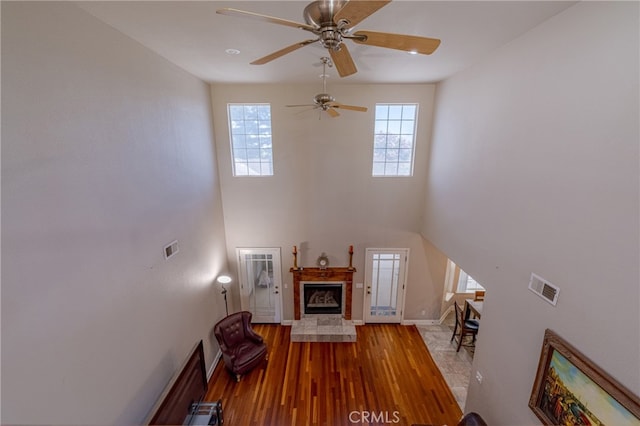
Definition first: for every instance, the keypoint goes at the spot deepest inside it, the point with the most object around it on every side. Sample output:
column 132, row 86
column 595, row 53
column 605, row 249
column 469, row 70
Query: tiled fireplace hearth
column 323, row 328
column 322, row 305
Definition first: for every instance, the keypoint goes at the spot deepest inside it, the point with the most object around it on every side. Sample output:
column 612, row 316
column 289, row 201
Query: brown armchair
column 242, row 349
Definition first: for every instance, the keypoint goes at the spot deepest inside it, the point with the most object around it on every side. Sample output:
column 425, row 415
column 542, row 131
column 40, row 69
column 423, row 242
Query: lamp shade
column 224, row 279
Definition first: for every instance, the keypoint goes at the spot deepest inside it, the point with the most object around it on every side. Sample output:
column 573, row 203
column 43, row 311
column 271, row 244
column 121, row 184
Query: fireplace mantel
column 322, row 274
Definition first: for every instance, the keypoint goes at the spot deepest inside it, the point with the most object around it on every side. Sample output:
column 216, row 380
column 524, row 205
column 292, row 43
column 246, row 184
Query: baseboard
column 213, row 365
column 430, row 322
column 420, row 322
column 358, row 322
column 446, row 312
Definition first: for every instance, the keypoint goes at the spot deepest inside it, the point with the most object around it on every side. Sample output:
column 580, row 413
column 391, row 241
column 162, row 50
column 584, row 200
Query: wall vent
column 544, row 289
column 171, row 249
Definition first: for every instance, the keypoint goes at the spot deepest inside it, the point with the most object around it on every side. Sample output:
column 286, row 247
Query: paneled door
column 384, row 276
column 260, row 283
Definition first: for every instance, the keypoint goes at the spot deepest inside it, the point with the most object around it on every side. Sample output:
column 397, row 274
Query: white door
column 384, row 276
column 260, row 283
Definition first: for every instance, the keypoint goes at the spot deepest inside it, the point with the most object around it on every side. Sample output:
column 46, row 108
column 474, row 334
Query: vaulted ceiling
column 193, row 36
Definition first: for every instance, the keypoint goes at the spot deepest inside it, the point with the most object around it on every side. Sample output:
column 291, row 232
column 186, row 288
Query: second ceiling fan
column 326, row 102
column 332, row 21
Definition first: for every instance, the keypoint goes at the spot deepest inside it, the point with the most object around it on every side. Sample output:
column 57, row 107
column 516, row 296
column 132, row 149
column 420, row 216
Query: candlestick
column 350, row 258
column 295, row 257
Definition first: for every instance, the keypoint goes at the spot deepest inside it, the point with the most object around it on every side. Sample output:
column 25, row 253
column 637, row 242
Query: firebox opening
column 322, row 298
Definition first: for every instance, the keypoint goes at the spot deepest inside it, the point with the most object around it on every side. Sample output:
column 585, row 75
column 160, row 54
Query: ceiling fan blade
column 350, row 107
column 265, row 18
column 282, row 52
column 356, row 11
column 343, row 61
column 408, row 43
column 305, row 110
column 332, row 112
column 302, row 105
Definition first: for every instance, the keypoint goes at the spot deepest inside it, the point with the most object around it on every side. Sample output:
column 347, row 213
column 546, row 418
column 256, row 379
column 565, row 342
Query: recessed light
column 232, row 52
column 324, row 76
column 412, row 52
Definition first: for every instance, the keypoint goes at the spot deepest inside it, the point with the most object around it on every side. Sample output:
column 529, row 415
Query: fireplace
column 326, row 276
column 322, row 298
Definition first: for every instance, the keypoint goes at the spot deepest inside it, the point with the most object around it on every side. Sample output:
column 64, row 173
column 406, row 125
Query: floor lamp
column 224, row 279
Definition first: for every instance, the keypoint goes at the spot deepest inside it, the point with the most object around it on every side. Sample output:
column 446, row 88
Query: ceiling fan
column 332, row 21
column 325, row 101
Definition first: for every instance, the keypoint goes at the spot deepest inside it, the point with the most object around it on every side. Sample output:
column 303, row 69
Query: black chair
column 472, row 419
column 469, row 419
column 467, row 327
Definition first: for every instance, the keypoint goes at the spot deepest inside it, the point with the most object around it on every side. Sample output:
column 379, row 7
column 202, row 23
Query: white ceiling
column 191, row 35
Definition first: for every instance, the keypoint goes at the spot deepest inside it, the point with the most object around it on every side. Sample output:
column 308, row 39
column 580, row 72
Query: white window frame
column 251, row 151
column 392, row 157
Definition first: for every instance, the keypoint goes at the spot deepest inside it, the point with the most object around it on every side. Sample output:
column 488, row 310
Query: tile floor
column 454, row 366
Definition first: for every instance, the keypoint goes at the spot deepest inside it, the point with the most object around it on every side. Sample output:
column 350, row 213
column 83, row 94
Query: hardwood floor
column 386, row 377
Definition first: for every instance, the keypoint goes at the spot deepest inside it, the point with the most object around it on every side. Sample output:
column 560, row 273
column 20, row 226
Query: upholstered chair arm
column 229, row 359
column 253, row 336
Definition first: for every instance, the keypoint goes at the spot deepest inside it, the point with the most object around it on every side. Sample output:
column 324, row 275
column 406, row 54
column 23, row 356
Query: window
column 250, row 134
column 466, row 284
column 394, row 136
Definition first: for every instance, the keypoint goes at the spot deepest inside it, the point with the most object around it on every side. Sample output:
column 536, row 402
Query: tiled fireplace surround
column 323, row 327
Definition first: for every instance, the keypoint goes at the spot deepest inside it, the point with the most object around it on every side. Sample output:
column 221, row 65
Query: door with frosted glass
column 260, row 283
column 385, row 271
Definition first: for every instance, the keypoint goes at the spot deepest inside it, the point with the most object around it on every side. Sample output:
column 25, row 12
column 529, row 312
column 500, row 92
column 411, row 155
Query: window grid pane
column 251, row 143
column 394, row 138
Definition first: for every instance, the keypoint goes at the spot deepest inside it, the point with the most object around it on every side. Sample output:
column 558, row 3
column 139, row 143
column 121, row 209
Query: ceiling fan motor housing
column 323, row 98
column 320, row 13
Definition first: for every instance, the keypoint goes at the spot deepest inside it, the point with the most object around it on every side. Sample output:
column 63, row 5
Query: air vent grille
column 544, row 289
column 171, row 249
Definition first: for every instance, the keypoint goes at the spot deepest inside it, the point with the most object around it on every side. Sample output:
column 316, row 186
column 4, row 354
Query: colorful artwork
column 571, row 390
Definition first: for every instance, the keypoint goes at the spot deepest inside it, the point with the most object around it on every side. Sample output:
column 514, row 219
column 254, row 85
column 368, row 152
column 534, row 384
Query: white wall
column 107, row 155
column 322, row 197
column 534, row 168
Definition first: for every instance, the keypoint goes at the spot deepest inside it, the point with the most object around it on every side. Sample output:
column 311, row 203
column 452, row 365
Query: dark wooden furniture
column 467, row 327
column 469, row 419
column 472, row 419
column 473, row 307
column 182, row 399
column 242, row 349
column 322, row 275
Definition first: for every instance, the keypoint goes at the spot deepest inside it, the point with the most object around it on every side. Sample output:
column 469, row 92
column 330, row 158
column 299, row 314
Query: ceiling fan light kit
column 332, row 22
